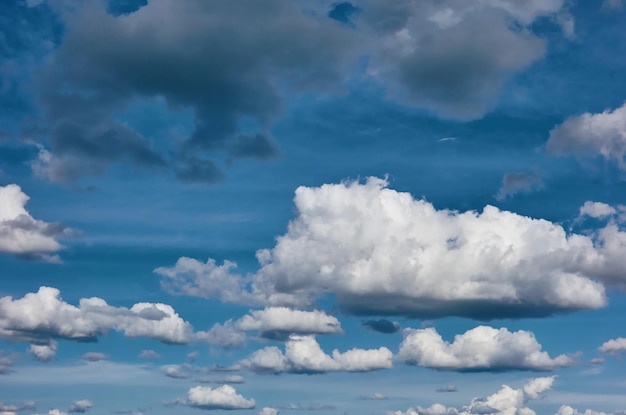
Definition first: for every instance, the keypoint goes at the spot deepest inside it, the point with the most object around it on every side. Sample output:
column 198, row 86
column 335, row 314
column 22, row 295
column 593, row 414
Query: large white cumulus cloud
column 224, row 397
column 43, row 315
column 480, row 349
column 304, row 355
column 380, row 251
column 20, row 233
column 507, row 401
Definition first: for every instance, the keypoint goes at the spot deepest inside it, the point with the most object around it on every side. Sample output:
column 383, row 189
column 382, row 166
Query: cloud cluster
column 20, row 233
column 224, row 397
column 304, row 355
column 592, row 135
column 614, row 346
column 382, row 252
column 506, row 401
column 480, row 349
column 41, row 316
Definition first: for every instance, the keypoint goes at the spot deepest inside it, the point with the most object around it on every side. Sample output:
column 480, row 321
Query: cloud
column 315, row 406
column 480, row 349
column 568, row 410
column 596, row 210
column 592, row 135
column 43, row 315
column 374, row 397
column 94, row 356
column 149, row 354
column 226, row 336
column 6, row 362
column 224, row 397
column 447, row 388
column 452, row 57
column 174, row 371
column 514, row 183
column 231, row 379
column 86, row 82
column 44, row 352
column 21, row 234
column 268, row 411
column 280, row 322
column 80, row 406
column 381, row 252
column 504, row 402
column 304, row 355
column 382, row 325
column 614, row 346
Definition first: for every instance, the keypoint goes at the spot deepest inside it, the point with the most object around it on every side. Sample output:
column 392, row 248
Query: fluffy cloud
column 588, row 135
column 304, row 355
column 507, row 401
column 268, row 411
column 614, row 346
column 381, row 252
column 80, row 406
column 568, row 410
column 596, row 210
column 44, row 352
column 20, row 233
column 224, row 397
column 450, row 56
column 480, row 349
column 224, row 335
column 44, row 315
column 279, row 322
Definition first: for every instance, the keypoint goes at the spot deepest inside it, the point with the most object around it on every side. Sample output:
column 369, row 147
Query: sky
column 338, row 208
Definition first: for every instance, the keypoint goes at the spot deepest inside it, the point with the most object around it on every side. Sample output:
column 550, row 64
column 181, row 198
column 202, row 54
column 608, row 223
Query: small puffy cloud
column 596, row 210
column 20, row 233
column 280, row 322
column 149, row 354
column 514, row 183
column 44, row 352
column 43, row 315
column 614, row 346
column 226, row 336
column 176, row 372
column 480, row 349
column 447, row 388
column 7, row 360
column 268, row 411
column 224, row 397
column 381, row 252
column 94, row 356
column 382, row 325
column 592, row 135
column 304, row 355
column 568, row 410
column 507, row 401
column 81, row 406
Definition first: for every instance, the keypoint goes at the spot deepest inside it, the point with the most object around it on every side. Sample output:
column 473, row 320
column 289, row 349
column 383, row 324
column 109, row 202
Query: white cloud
column 226, row 336
column 614, row 346
column 268, row 411
column 592, row 135
column 568, row 410
column 149, row 354
column 176, row 372
column 480, row 349
column 304, row 355
column 81, row 406
column 20, row 233
column 224, row 397
column 596, row 210
column 44, row 352
column 376, row 396
column 507, row 401
column 285, row 320
column 94, row 356
column 381, row 252
column 43, row 315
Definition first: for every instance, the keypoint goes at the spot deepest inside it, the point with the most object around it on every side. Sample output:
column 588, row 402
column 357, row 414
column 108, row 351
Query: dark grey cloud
column 382, row 325
column 225, row 61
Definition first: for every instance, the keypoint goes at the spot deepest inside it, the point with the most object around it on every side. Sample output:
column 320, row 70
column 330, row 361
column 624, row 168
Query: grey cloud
column 80, row 406
column 94, row 356
column 447, row 388
column 518, row 182
column 161, row 51
column 382, row 325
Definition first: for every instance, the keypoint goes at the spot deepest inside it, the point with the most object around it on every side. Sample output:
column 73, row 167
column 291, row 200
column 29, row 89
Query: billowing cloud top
column 20, row 233
column 381, row 252
column 224, row 397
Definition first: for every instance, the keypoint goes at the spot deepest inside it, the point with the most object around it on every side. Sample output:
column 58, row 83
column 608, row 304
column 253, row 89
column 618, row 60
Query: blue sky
column 365, row 207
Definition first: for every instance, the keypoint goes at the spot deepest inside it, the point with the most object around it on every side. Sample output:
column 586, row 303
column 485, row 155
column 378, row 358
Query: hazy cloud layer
column 304, row 355
column 381, row 252
column 20, row 233
column 480, row 349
